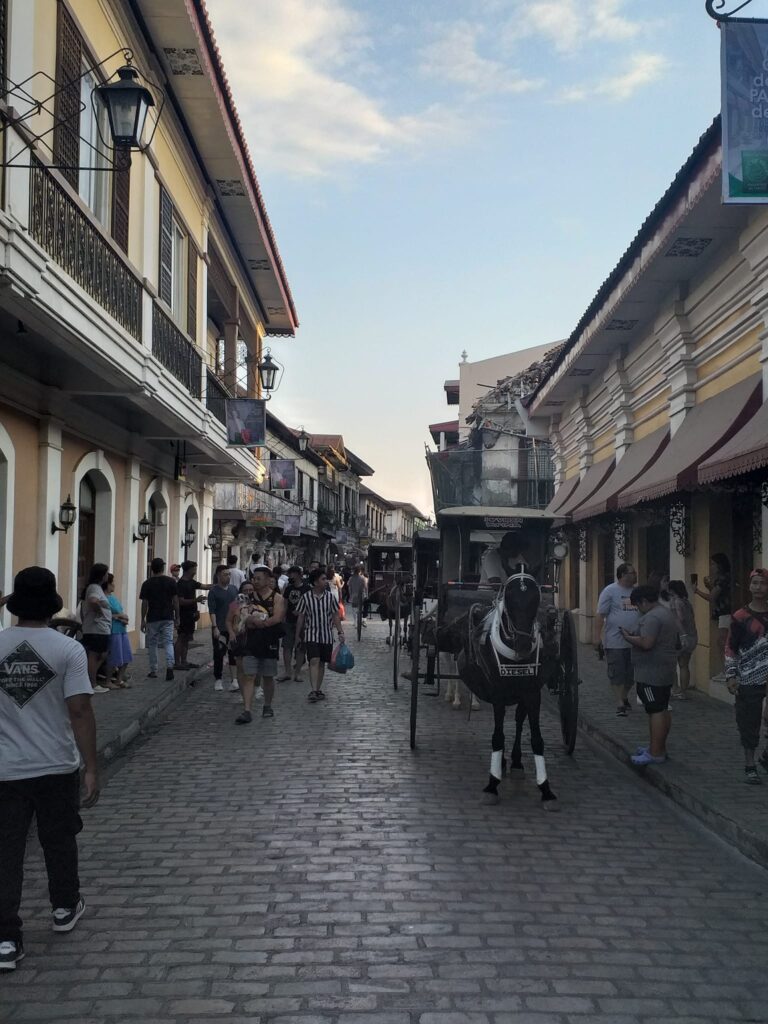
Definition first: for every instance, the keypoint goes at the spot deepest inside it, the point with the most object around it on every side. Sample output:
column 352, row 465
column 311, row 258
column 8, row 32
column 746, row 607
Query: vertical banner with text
column 744, row 68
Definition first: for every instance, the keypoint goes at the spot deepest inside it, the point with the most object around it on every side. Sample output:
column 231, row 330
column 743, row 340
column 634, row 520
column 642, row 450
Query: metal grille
column 67, row 235
column 176, row 354
column 215, row 397
column 69, row 58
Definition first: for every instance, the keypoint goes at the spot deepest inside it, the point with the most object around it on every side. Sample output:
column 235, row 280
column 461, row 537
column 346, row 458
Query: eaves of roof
column 708, row 142
column 290, row 436
column 358, row 466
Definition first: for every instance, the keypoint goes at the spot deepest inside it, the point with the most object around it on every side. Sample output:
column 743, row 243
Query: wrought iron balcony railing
column 58, row 224
column 514, row 479
column 171, row 347
column 215, row 396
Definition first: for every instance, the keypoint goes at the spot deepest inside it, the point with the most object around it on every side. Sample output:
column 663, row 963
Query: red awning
column 564, row 491
column 705, row 429
column 745, row 452
column 636, row 460
column 594, row 477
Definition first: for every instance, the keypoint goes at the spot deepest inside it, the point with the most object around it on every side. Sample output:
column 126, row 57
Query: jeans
column 160, row 634
column 55, row 800
column 220, row 648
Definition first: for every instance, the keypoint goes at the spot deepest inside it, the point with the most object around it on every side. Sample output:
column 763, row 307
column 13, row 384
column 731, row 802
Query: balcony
column 58, row 224
column 499, row 479
column 260, row 508
column 171, row 347
column 215, row 396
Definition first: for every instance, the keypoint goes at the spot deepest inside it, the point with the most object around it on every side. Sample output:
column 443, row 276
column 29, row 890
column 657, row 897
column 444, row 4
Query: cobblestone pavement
column 705, row 772
column 311, row 869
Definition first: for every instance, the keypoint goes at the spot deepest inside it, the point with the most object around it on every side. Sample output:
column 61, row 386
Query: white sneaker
column 234, row 687
column 101, row 689
column 218, row 685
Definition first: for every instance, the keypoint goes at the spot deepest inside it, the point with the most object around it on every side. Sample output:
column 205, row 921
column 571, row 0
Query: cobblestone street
column 312, row 869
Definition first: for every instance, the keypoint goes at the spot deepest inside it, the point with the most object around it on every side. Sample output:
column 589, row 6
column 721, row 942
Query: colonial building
column 656, row 404
column 373, row 515
column 136, row 292
column 403, row 519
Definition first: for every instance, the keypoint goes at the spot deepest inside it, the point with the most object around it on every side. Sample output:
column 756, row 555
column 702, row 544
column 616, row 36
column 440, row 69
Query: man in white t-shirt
column 615, row 614
column 46, row 723
column 236, row 576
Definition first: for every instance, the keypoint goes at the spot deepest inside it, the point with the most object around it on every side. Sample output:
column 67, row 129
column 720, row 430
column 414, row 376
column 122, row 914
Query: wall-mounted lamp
column 67, row 516
column 144, row 528
column 211, row 542
column 189, row 538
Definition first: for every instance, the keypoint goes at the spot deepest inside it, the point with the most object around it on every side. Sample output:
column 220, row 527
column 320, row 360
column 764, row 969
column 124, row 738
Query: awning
column 705, row 429
column 563, row 492
column 745, row 452
column 636, row 460
column 594, row 478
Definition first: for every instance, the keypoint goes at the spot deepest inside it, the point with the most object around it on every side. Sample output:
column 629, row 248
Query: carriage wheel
column 396, row 641
column 415, row 652
column 568, row 695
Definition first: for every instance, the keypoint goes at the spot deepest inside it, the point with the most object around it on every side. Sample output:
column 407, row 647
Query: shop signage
column 744, row 70
column 282, row 474
column 502, row 522
column 292, row 526
column 246, row 422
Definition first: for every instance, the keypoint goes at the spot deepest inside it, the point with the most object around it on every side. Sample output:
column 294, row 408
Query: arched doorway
column 86, row 530
column 157, row 541
column 94, row 484
column 192, row 522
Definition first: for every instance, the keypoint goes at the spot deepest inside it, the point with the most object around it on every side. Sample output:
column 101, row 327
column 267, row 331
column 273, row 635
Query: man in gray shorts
column 292, row 594
column 615, row 613
column 263, row 630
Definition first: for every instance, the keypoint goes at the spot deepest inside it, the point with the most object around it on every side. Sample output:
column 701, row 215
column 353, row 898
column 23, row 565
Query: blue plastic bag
column 342, row 659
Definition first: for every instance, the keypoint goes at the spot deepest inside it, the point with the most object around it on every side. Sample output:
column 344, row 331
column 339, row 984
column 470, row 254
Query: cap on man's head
column 175, row 567
column 295, row 570
column 157, row 565
column 186, row 566
column 763, row 573
column 260, row 568
column 34, row 594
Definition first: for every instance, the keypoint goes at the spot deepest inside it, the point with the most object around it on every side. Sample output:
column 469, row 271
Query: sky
column 448, row 175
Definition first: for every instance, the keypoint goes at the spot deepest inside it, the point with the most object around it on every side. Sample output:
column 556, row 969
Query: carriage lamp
column 144, row 528
column 189, row 538
column 303, row 440
column 67, row 514
column 268, row 370
column 560, row 550
column 127, row 103
column 210, row 543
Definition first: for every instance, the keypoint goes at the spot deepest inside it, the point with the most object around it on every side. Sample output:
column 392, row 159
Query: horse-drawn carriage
column 496, row 616
column 390, row 588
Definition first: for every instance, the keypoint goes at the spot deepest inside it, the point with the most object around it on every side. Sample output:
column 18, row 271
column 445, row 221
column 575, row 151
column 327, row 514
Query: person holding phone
column 746, row 670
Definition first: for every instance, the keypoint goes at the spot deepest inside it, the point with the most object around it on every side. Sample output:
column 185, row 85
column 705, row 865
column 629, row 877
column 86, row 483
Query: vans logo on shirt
column 23, row 673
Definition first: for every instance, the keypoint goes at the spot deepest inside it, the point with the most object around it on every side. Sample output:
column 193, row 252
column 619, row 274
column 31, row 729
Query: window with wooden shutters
column 192, row 292
column 166, row 248
column 121, row 194
column 69, row 59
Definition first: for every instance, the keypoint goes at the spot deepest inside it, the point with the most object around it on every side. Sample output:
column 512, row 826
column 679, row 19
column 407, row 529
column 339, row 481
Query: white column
column 49, row 490
column 130, row 571
column 615, row 378
column 677, row 348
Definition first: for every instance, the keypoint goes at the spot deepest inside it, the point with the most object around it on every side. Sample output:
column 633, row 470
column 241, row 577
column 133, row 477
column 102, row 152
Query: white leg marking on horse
column 496, row 757
column 541, row 769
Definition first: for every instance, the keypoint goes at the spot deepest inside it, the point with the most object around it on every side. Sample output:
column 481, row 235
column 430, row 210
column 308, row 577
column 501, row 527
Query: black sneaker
column 627, row 706
column 65, row 919
column 169, row 675
column 751, row 777
column 244, row 718
column 151, row 675
column 320, row 695
column 621, row 712
column 10, row 954
column 267, row 712
column 312, row 698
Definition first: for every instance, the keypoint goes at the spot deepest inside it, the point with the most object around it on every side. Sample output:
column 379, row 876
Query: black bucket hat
column 34, row 594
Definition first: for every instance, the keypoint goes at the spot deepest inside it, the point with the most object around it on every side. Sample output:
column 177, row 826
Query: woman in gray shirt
column 682, row 609
column 96, row 616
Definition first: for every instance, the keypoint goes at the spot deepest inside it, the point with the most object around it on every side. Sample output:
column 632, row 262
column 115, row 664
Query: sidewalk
column 122, row 715
column 704, row 773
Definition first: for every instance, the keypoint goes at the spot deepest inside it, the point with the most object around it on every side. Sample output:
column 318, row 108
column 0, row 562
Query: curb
column 749, row 843
column 116, row 744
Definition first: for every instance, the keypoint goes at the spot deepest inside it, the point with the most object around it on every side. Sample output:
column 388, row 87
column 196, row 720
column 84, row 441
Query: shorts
column 96, row 643
column 259, row 666
column 120, row 652
column 618, row 661
column 655, row 699
column 321, row 651
column 186, row 627
column 724, row 622
column 289, row 638
column 749, row 714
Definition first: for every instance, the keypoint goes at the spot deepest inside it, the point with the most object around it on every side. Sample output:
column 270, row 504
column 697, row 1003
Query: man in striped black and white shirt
column 318, row 617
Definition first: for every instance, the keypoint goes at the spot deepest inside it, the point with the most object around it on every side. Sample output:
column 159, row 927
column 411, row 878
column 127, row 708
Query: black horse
column 500, row 662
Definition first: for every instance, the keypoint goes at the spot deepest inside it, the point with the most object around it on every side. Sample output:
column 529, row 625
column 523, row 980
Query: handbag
column 342, row 611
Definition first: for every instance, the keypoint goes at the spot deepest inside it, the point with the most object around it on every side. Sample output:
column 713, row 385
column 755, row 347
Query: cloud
column 292, row 72
column 570, row 24
column 453, row 57
column 641, row 69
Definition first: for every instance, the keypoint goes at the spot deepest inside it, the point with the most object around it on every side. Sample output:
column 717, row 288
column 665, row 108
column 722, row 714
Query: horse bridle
column 511, row 631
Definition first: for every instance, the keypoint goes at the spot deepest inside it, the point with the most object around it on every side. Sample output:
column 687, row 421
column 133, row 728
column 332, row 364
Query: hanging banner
column 282, row 474
column 744, row 71
column 292, row 526
column 246, row 422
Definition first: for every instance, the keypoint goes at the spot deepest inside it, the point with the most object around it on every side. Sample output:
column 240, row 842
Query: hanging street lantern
column 303, row 440
column 268, row 373
column 144, row 528
column 127, row 103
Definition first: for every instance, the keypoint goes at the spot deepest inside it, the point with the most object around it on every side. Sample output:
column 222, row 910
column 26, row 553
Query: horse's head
column 518, row 604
